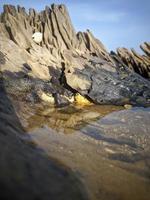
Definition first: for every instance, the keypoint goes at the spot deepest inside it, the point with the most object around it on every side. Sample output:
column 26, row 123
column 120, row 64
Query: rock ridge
column 79, row 60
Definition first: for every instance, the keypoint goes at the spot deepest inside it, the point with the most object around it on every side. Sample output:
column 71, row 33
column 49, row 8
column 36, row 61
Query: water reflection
column 67, row 119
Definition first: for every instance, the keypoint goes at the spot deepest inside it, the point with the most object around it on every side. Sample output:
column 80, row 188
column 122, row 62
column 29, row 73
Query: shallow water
column 108, row 148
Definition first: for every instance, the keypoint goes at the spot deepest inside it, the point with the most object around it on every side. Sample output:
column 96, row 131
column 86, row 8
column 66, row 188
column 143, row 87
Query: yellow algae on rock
column 127, row 106
column 81, row 100
column 47, row 97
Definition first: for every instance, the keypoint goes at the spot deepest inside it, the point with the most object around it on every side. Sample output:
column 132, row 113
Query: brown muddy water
column 108, row 148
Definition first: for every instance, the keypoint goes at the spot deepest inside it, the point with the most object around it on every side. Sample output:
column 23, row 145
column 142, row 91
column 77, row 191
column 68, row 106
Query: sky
column 116, row 23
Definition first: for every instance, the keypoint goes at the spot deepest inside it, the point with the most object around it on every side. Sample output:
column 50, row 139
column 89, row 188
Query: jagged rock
column 64, row 26
column 10, row 9
column 16, row 26
column 15, row 57
column 3, row 31
column 21, row 10
column 96, row 47
column 136, row 62
column 146, row 48
column 88, row 68
column 55, row 25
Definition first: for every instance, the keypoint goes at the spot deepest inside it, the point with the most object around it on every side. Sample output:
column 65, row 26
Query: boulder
column 107, row 87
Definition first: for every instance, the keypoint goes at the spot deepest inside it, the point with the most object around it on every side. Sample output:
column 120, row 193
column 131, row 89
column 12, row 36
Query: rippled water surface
column 107, row 147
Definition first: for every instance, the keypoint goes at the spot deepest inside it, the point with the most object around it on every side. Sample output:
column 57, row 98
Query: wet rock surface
column 108, row 152
column 118, row 88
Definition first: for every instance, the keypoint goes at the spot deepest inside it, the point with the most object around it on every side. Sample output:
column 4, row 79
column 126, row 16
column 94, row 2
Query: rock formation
column 66, row 63
column 136, row 62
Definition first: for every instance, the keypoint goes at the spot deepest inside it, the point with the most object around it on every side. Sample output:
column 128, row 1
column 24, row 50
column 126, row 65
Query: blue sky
column 116, row 23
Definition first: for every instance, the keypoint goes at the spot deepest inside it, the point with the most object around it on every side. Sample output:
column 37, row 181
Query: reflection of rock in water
column 25, row 173
column 67, row 119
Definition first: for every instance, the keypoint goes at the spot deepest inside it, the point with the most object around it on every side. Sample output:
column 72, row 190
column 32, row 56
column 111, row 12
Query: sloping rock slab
column 118, row 88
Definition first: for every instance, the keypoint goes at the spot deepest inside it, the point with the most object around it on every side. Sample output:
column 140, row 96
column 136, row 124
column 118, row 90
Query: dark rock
column 60, row 100
column 118, row 88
